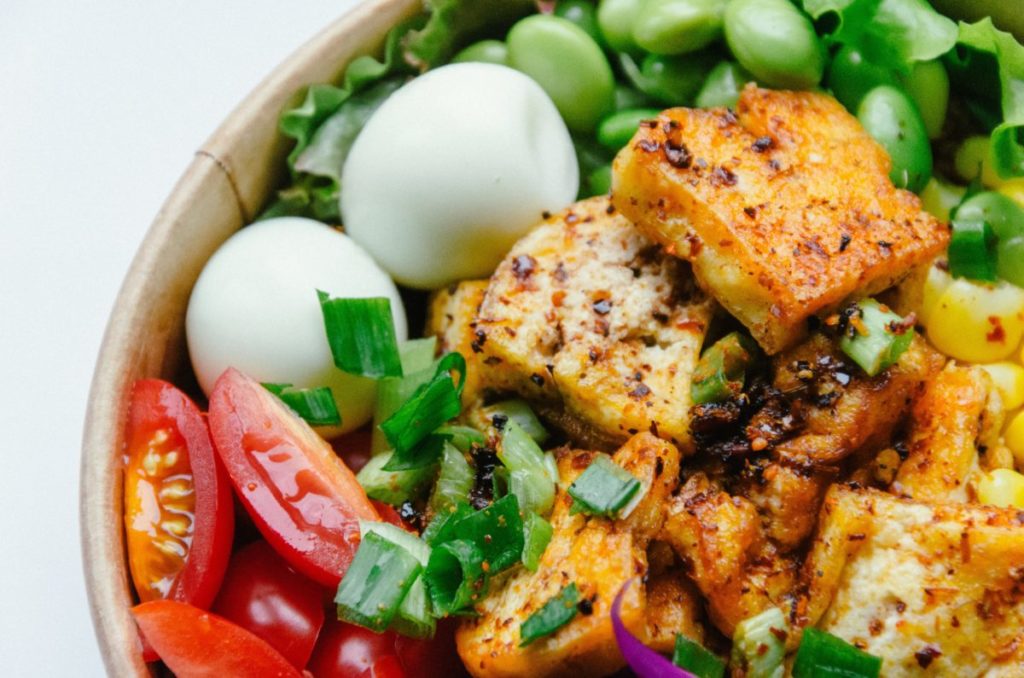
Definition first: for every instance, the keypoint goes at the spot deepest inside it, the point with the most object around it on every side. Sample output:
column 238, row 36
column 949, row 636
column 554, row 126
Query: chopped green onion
column 497, row 530
column 462, row 437
column 315, row 405
column 721, row 371
column 500, row 482
column 393, row 487
column 696, row 659
column 431, row 405
column 555, row 614
column 877, row 337
column 759, row 644
column 455, row 576
column 453, row 482
column 973, row 250
column 536, row 536
column 529, row 474
column 604, row 488
column 377, row 580
column 418, row 366
column 519, row 412
column 822, row 654
column 361, row 334
column 442, row 527
column 423, row 454
column 415, row 616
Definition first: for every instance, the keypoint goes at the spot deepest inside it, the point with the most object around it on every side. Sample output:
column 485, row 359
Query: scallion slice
column 424, row 454
column 822, row 654
column 377, row 580
column 721, row 371
column 462, row 437
column 555, row 614
column 876, row 337
column 453, row 482
column 536, row 536
column 415, row 615
column 418, row 366
column 455, row 576
column 529, row 474
column 973, row 250
column 315, row 405
column 604, row 488
column 497, row 530
column 361, row 334
column 759, row 644
column 393, row 487
column 442, row 527
column 521, row 413
column 696, row 659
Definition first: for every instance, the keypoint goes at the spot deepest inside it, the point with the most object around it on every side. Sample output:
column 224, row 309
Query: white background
column 101, row 107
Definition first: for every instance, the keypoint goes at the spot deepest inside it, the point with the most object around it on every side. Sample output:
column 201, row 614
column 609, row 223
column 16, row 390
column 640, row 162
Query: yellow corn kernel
column 975, row 152
column 1009, row 381
column 934, row 285
column 977, row 322
column 1013, row 436
column 1012, row 189
column 938, row 198
column 1002, row 487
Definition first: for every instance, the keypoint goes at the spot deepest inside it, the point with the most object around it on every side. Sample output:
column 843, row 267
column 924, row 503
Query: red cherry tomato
column 266, row 597
column 178, row 511
column 303, row 499
column 348, row 651
column 355, row 448
column 389, row 515
column 428, row 657
column 198, row 644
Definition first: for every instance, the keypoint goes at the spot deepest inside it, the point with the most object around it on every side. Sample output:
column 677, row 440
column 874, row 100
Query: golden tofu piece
column 451, row 318
column 785, row 208
column 673, row 607
column 599, row 555
column 932, row 589
column 587, row 314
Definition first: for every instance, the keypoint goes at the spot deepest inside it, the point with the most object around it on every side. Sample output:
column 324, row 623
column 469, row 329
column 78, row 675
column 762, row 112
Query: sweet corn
column 934, row 286
column 1013, row 436
column 1009, row 381
column 975, row 151
column 976, row 322
column 1012, row 189
column 1002, row 487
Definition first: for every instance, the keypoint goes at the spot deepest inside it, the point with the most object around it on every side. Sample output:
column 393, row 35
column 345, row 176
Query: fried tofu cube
column 451, row 318
column 933, row 589
column 586, row 314
column 784, row 208
column 599, row 555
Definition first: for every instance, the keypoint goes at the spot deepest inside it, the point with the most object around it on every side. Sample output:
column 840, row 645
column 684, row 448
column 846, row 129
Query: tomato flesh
column 302, row 497
column 198, row 644
column 263, row 595
column 178, row 509
column 348, row 651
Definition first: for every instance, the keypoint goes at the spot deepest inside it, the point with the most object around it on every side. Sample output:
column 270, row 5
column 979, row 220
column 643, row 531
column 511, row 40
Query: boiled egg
column 255, row 308
column 452, row 169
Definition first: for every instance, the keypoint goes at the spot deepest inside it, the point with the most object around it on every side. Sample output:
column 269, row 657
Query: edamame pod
column 615, row 18
column 485, row 51
column 542, row 46
column 775, row 41
column 678, row 26
column 583, row 14
column 928, row 86
column 723, row 85
column 852, row 75
column 892, row 119
column 1004, row 215
column 617, row 129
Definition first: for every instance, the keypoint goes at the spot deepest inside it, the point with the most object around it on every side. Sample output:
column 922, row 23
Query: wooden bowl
column 229, row 179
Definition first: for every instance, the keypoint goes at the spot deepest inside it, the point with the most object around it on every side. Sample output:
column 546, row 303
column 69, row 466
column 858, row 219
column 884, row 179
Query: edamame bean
column 1004, row 215
column 615, row 18
column 600, row 180
column 678, row 26
column 628, row 97
column 852, row 75
column 928, row 86
column 617, row 129
column 485, row 51
column 671, row 80
column 775, row 41
column 583, row 14
column 939, row 198
column 892, row 119
column 543, row 47
column 974, row 154
column 1010, row 263
column 723, row 85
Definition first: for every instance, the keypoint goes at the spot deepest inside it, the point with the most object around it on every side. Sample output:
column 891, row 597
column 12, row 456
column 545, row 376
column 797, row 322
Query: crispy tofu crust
column 785, row 208
column 934, row 589
column 586, row 314
column 450, row 317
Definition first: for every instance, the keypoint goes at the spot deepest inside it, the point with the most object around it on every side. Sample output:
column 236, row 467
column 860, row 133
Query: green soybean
column 928, row 86
column 851, row 75
column 1010, row 260
column 670, row 80
column 629, row 97
column 485, row 51
column 723, row 85
column 542, row 46
column 583, row 14
column 615, row 18
column 1002, row 213
column 600, row 180
column 973, row 156
column 939, row 198
column 678, row 26
column 617, row 129
column 892, row 119
column 775, row 41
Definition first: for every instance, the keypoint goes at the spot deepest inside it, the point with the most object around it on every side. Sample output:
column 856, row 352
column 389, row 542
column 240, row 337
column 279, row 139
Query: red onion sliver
column 645, row 662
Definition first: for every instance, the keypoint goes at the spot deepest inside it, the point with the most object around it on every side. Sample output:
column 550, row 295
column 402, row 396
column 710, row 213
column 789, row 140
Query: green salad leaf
column 454, row 23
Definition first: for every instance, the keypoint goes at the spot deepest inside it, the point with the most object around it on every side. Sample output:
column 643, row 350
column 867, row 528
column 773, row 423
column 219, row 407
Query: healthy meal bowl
column 673, row 337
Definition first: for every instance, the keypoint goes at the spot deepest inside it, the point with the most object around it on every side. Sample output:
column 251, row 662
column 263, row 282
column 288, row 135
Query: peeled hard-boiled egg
column 452, row 169
column 255, row 308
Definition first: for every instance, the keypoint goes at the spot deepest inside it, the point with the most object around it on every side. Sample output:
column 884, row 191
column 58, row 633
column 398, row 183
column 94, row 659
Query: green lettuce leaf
column 455, row 23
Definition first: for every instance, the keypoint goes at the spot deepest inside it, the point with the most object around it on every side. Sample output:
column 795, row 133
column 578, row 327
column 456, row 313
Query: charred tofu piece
column 599, row 555
column 932, row 589
column 451, row 318
column 588, row 315
column 673, row 606
column 784, row 208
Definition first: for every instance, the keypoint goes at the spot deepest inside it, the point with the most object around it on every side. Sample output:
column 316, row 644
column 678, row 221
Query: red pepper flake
column 997, row 334
column 723, row 176
column 677, row 154
column 648, row 145
column 557, row 298
column 750, row 211
column 641, row 391
column 602, row 306
column 926, row 656
column 762, row 144
column 523, row 266
column 844, row 242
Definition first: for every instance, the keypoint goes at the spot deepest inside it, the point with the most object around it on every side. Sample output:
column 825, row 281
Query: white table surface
column 101, row 107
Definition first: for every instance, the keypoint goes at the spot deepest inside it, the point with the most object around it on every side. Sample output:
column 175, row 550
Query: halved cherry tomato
column 355, row 448
column 178, row 512
column 263, row 595
column 302, row 497
column 428, row 657
column 348, row 651
column 389, row 515
column 198, row 644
